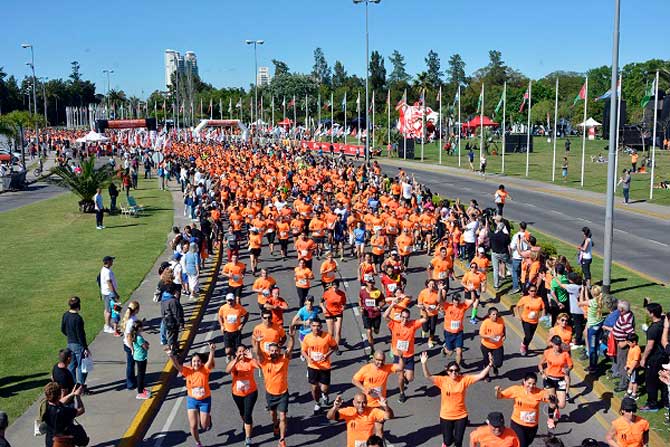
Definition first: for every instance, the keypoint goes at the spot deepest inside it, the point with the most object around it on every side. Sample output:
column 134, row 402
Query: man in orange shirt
column 379, row 243
column 405, row 244
column 274, row 365
column 283, row 231
column 362, row 420
column 333, row 303
column 403, row 333
column 494, row 433
column 277, row 305
column 267, row 333
column 305, row 248
column 454, row 312
column 234, row 271
column 318, row 228
column 317, row 348
column 255, row 244
column 328, row 270
column 232, row 318
column 262, row 286
column 372, row 378
column 441, row 268
column 428, row 301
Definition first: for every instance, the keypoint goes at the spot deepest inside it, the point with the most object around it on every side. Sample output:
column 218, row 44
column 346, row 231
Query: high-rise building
column 190, row 63
column 175, row 62
column 263, row 76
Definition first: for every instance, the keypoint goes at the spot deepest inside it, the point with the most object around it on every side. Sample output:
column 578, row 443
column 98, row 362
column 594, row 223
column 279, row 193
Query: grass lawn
column 51, row 252
column 540, row 164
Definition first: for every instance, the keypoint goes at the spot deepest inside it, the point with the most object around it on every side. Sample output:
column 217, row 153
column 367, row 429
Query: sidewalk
column 579, row 195
column 111, row 408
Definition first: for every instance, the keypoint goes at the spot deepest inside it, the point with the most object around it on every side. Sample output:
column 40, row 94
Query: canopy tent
column 92, row 137
column 476, row 122
column 285, row 123
column 590, row 123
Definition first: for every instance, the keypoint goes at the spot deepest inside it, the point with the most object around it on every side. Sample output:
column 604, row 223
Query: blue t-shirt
column 306, row 315
column 139, row 354
column 359, row 235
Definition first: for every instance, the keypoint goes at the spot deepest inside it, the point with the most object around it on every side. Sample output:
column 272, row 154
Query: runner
column 333, row 302
column 317, row 347
column 277, row 305
column 629, row 429
column 305, row 248
column 328, row 270
column 494, row 433
column 199, row 398
column 453, row 387
column 500, row 197
column 555, row 366
column 529, row 310
column 274, row 365
column 441, row 267
column 493, row 333
column 428, row 302
column 267, row 333
column 379, row 244
column 283, row 231
column 371, row 301
column 471, row 282
column 454, row 312
column 362, row 420
column 372, row 378
column 367, row 270
column 255, row 244
column 234, row 271
column 303, row 276
column 303, row 320
column 243, row 387
column 232, row 318
column 262, row 286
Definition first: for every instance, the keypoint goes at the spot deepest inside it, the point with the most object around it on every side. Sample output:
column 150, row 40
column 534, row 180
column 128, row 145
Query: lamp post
column 108, row 72
column 32, row 66
column 367, row 76
column 44, row 97
column 255, row 43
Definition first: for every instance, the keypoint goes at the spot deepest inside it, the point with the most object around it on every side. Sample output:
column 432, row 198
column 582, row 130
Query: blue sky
column 130, row 36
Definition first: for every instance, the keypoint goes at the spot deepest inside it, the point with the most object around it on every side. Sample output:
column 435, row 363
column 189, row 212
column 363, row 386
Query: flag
column 439, row 95
column 210, row 106
column 481, row 97
column 456, row 98
column 608, row 93
column 327, row 105
column 581, row 95
column 358, row 101
column 372, row 105
column 499, row 105
column 292, row 102
column 402, row 101
column 648, row 94
column 230, row 105
column 422, row 98
column 239, row 104
column 344, row 101
column 525, row 100
column 283, row 101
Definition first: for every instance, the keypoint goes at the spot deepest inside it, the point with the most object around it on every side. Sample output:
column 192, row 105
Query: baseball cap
column 108, row 258
column 628, row 404
column 394, row 252
column 230, row 297
column 496, row 419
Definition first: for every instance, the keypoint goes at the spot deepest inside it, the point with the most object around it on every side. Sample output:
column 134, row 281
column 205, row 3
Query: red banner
column 126, row 124
column 348, row 149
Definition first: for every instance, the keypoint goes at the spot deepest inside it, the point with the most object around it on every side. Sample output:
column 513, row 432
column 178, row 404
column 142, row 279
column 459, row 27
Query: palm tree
column 85, row 184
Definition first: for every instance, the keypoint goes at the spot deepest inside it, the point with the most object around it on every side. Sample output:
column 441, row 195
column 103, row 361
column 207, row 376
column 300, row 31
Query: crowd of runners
column 314, row 212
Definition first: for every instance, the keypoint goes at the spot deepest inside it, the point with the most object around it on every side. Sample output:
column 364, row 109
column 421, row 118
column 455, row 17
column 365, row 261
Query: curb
column 149, row 408
column 600, row 390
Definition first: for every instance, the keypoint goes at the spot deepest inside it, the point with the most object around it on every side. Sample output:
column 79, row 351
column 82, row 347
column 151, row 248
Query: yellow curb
column 147, row 411
column 599, row 389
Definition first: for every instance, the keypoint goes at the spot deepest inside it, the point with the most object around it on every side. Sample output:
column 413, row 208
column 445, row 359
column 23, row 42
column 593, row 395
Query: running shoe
column 649, row 409
column 275, row 429
column 474, row 321
column 146, row 394
column 402, row 398
column 247, row 442
column 282, row 443
column 317, row 408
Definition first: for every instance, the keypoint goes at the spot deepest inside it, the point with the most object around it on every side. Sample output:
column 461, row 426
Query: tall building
column 190, row 63
column 263, row 76
column 175, row 62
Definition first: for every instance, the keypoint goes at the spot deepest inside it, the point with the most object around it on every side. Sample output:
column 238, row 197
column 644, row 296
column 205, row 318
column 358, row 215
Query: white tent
column 92, row 137
column 590, row 123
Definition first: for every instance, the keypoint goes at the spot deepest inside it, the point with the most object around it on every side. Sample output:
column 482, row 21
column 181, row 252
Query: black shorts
column 283, row 243
column 271, row 237
column 255, row 251
column 318, row 240
column 332, row 316
column 237, row 291
column 378, row 259
column 555, row 383
column 232, row 339
column 372, row 323
column 277, row 402
column 321, row 376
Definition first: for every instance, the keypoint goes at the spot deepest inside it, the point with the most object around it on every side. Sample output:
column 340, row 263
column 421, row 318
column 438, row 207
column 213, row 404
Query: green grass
column 51, row 252
column 540, row 165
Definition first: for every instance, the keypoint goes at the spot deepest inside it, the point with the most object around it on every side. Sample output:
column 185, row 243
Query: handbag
column 79, row 436
column 87, row 364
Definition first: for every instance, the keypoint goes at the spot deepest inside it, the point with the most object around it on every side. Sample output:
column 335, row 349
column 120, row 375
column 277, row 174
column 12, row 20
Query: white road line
column 356, row 311
column 582, row 219
column 531, row 205
column 556, row 212
column 658, row 243
column 168, row 423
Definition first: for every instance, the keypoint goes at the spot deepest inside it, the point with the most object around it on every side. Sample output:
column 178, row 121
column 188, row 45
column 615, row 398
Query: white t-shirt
column 406, row 190
column 128, row 329
column 469, row 235
column 573, row 292
column 176, row 272
column 519, row 239
column 106, row 274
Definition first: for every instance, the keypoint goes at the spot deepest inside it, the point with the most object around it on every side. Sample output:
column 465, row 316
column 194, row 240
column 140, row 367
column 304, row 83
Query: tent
column 285, row 123
column 475, row 122
column 590, row 123
column 92, row 137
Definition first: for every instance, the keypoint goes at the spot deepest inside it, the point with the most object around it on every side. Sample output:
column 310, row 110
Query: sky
column 130, row 37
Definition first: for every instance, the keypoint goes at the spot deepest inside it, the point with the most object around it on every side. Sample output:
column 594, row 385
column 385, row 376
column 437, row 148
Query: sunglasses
column 456, row 371
column 266, row 317
column 563, row 320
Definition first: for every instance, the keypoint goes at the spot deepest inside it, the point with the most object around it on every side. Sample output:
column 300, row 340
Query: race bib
column 402, row 345
column 375, row 391
column 455, row 325
column 370, row 303
column 304, row 252
column 266, row 346
column 377, row 228
column 198, row 392
column 368, row 277
column 242, row 386
column 442, row 275
column 532, row 315
column 496, row 338
column 360, row 443
column 283, row 233
column 316, row 356
column 396, row 316
column 529, row 417
column 561, row 383
column 231, row 319
column 302, row 282
column 270, row 230
column 392, row 287
column 236, row 277
column 431, row 307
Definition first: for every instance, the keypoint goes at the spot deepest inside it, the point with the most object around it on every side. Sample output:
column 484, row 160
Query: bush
column 549, row 249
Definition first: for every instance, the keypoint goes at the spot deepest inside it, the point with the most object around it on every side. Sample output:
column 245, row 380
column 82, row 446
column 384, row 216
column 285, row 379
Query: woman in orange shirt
column 303, row 276
column 563, row 330
column 255, row 243
column 243, row 386
column 628, row 430
column 199, row 398
column 453, row 387
column 555, row 366
column 492, row 333
column 529, row 310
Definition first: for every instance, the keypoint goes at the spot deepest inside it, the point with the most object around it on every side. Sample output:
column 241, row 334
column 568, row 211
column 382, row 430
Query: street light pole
column 367, row 79
column 255, row 43
column 32, row 66
column 44, row 96
column 108, row 72
column 611, row 155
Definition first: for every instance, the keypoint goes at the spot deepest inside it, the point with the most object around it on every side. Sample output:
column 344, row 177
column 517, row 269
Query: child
column 140, row 347
column 632, row 364
column 115, row 311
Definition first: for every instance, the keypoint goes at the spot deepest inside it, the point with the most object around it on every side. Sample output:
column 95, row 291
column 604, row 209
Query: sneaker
column 514, row 291
column 424, row 334
column 402, row 398
column 649, row 408
column 247, row 442
column 282, row 443
column 474, row 321
column 275, row 429
column 324, row 401
column 146, row 394
column 430, row 343
column 317, row 408
column 523, row 350
column 98, row 228
column 574, row 347
column 108, row 329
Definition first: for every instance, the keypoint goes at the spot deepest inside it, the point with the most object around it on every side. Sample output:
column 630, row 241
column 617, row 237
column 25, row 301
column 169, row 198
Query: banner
column 410, row 123
column 348, row 149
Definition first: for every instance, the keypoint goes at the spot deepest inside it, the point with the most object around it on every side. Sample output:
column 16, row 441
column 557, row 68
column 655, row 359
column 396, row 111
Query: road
column 416, row 422
column 34, row 193
column 640, row 242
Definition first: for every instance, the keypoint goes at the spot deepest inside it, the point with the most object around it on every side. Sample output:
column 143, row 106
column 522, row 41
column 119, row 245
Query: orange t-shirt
column 283, row 229
column 263, row 284
column 275, row 374
column 532, row 308
column 494, row 329
column 303, row 277
column 556, row 362
column 327, row 270
column 197, row 382
column 430, row 301
column 305, row 248
column 402, row 337
column 453, row 317
column 452, row 405
column 374, row 380
column 633, row 357
column 232, row 317
column 236, row 272
column 441, row 268
column 485, row 437
column 243, row 382
column 270, row 334
column 315, row 347
column 317, row 227
column 255, row 240
column 565, row 334
column 526, row 410
column 630, row 434
column 404, row 243
column 378, row 244
column 471, row 281
column 360, row 426
column 334, row 301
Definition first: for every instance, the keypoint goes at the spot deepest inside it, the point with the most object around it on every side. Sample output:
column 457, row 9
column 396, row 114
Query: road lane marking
column 168, row 423
column 356, row 311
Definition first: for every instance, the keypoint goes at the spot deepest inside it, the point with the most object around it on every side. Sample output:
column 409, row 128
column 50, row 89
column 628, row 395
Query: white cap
column 230, row 297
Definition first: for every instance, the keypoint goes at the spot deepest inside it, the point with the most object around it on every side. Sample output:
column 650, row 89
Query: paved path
column 641, row 240
column 416, row 422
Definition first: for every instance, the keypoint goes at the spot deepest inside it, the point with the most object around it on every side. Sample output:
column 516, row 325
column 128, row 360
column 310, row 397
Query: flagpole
column 345, row 118
column 423, row 120
column 388, row 120
column 458, row 126
column 358, row 111
column 618, row 125
column 653, row 141
column 295, row 118
column 306, row 115
column 373, row 123
column 502, row 168
column 553, row 162
column 439, row 147
column 481, row 125
column 586, row 101
column 530, row 104
column 273, row 112
column 332, row 118
column 404, row 131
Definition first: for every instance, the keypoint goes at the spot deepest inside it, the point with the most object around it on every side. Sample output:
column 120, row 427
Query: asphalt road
column 416, row 422
column 34, row 193
column 640, row 242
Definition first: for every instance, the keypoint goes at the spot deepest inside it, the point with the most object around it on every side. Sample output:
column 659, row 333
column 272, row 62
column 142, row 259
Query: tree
column 377, row 71
column 280, row 67
column 433, row 69
column 496, row 70
column 339, row 75
column 398, row 73
column 456, row 70
column 86, row 183
column 321, row 71
column 289, row 85
column 75, row 75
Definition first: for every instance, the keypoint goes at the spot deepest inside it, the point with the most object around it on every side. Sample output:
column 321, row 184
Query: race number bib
column 375, row 391
column 368, row 277
column 231, row 319
column 442, row 275
column 198, row 392
column 496, row 338
column 402, row 345
column 304, row 252
column 266, row 346
column 370, row 303
column 360, row 443
column 392, row 287
column 455, row 325
column 283, row 234
column 529, row 417
column 235, row 277
column 377, row 228
column 431, row 307
column 302, row 282
column 316, row 356
column 532, row 315
column 242, row 386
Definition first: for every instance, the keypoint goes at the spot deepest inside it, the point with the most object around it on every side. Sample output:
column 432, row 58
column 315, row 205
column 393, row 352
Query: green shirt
column 561, row 294
column 140, row 354
column 594, row 314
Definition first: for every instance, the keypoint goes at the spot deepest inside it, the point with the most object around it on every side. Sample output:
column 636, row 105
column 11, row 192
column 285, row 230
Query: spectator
column 72, row 326
column 58, row 416
column 108, row 290
column 4, row 423
column 652, row 358
column 624, row 325
column 60, row 372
